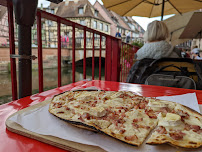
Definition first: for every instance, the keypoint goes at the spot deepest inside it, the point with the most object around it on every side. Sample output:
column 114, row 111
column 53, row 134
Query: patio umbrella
column 152, row 8
column 193, row 29
column 176, row 25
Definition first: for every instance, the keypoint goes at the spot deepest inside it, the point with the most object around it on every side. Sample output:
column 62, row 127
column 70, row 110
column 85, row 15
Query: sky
column 142, row 21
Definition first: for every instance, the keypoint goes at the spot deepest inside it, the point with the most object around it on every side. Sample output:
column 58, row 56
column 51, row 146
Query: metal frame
column 116, row 68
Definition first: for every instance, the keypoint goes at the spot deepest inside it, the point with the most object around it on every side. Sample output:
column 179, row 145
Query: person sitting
column 184, row 54
column 196, row 57
column 195, row 52
column 128, row 37
column 156, row 46
column 118, row 34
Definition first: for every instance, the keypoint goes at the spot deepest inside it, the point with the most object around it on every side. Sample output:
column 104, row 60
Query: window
column 106, row 28
column 133, row 27
column 101, row 26
column 125, row 19
column 82, row 22
column 95, row 24
column 130, row 25
column 52, row 11
column 134, row 35
column 6, row 22
column 81, row 10
column 49, row 22
column 96, row 13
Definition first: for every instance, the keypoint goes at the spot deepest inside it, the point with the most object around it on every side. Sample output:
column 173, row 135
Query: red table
column 11, row 142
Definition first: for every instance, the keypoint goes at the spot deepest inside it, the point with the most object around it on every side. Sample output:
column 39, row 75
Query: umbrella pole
column 25, row 12
column 162, row 11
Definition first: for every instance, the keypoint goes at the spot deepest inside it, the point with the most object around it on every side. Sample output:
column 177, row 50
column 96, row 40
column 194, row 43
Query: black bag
column 149, row 71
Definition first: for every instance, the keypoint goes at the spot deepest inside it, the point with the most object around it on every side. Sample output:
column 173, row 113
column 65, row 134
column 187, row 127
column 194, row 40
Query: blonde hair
column 156, row 31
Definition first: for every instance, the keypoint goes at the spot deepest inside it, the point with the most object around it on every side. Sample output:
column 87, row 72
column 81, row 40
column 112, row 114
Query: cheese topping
column 157, row 105
column 169, row 120
column 98, row 111
column 172, row 117
column 193, row 136
column 193, row 121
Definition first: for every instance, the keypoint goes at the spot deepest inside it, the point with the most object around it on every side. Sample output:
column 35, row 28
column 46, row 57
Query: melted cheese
column 103, row 124
column 193, row 121
column 157, row 103
column 117, row 102
column 192, row 136
column 98, row 111
column 169, row 120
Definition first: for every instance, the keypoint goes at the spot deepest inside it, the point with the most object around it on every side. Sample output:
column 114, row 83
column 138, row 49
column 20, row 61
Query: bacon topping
column 161, row 130
column 86, row 115
column 164, row 109
column 200, row 131
column 136, row 106
column 122, row 131
column 187, row 127
column 151, row 114
column 131, row 138
column 177, row 135
column 81, row 118
column 136, row 126
column 142, row 105
column 73, row 111
column 182, row 114
column 67, row 108
column 123, row 115
column 119, row 108
column 137, row 119
column 76, row 106
column 93, row 104
column 195, row 128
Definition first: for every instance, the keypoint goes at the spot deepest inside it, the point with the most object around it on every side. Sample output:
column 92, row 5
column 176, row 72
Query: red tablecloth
column 11, row 142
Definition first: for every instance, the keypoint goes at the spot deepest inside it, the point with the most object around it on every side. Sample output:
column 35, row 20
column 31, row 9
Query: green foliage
column 137, row 43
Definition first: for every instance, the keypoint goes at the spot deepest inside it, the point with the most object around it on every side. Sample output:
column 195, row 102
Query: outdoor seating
column 144, row 68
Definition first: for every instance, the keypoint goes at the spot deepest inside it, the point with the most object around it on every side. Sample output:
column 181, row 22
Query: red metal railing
column 118, row 55
column 127, row 59
column 40, row 57
column 12, row 47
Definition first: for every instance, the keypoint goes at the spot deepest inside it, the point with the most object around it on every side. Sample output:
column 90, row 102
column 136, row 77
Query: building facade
column 81, row 12
column 124, row 25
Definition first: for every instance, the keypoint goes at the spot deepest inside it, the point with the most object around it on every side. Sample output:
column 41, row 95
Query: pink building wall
column 107, row 18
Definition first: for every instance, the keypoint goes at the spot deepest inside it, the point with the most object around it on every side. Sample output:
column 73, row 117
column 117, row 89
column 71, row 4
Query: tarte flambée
column 130, row 117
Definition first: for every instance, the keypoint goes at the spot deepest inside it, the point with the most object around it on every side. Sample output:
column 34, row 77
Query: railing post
column 73, row 53
column 122, row 62
column 108, row 58
column 59, row 53
column 93, row 57
column 116, row 52
column 40, row 56
column 12, row 50
column 100, row 57
column 84, row 55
